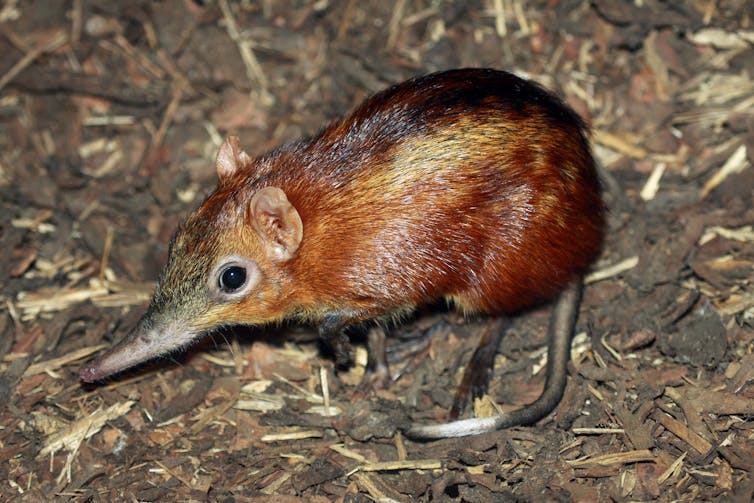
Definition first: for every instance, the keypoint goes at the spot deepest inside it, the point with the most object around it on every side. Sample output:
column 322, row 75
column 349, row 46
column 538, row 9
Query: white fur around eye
column 252, row 274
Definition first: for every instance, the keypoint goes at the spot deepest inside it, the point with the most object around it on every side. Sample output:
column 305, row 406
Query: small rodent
column 471, row 185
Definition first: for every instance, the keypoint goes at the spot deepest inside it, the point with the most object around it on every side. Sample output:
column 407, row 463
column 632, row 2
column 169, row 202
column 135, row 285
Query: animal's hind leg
column 478, row 373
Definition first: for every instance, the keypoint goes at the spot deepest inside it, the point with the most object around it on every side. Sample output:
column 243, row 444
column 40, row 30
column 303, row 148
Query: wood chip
column 620, row 458
column 649, row 191
column 377, row 489
column 389, row 466
column 342, row 449
column 684, row 433
column 321, row 410
column 258, row 400
column 57, row 41
column 71, row 437
column 56, row 363
column 736, row 303
column 673, row 470
column 613, row 270
column 619, row 143
column 325, row 391
column 743, row 234
column 736, row 163
column 211, row 414
column 101, row 293
column 293, row 435
column 720, row 38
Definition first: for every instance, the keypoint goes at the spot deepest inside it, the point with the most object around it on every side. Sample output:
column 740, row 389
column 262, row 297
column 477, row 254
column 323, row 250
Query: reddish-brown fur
column 498, row 208
column 470, row 185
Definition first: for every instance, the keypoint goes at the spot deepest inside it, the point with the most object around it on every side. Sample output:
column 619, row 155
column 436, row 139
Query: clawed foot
column 377, row 375
column 381, row 357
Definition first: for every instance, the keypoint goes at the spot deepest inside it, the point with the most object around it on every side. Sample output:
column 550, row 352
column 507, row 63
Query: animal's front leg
column 332, row 333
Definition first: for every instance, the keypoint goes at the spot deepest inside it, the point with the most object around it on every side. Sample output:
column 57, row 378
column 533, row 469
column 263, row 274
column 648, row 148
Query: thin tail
column 560, row 333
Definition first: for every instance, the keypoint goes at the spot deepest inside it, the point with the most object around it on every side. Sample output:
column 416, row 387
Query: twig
column 57, row 363
column 523, row 23
column 395, row 21
column 56, row 42
column 253, row 68
column 736, row 163
column 500, row 28
column 410, row 464
column 18, row 42
column 345, row 21
column 616, row 142
column 76, row 21
column 613, row 270
column 106, row 252
column 159, row 135
column 138, row 57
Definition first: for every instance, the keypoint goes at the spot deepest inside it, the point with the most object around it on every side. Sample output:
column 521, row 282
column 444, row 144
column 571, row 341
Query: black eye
column 232, row 278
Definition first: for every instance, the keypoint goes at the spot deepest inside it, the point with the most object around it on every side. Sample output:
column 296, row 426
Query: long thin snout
column 145, row 342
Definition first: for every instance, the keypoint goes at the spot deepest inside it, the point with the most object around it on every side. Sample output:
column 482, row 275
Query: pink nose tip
column 88, row 373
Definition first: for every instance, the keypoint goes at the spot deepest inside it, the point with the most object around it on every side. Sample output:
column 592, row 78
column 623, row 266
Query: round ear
column 277, row 222
column 230, row 158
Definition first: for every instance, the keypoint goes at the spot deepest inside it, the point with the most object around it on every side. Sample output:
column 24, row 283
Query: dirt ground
column 111, row 115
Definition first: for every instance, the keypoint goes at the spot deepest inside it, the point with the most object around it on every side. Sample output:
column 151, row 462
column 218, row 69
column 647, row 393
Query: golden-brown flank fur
column 480, row 189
